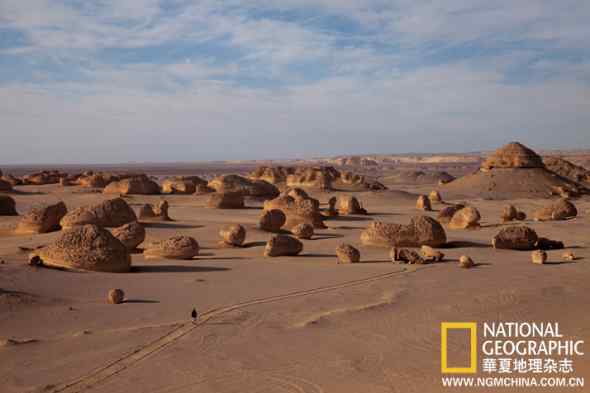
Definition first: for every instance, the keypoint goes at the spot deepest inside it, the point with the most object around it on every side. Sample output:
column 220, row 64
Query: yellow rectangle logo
column 444, row 328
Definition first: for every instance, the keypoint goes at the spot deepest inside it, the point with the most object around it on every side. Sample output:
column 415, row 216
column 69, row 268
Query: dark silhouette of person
column 194, row 315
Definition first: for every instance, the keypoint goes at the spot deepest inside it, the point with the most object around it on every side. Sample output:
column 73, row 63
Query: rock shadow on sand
column 466, row 244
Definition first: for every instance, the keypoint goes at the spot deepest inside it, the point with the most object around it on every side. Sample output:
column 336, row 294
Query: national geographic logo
column 444, row 363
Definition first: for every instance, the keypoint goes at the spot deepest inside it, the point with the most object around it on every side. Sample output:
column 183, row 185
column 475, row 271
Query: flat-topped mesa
column 513, row 155
column 244, row 186
column 86, row 247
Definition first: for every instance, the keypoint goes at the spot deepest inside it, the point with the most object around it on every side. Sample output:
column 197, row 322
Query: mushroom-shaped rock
column 539, row 257
column 226, row 200
column 423, row 203
column 233, row 234
column 515, row 238
column 272, row 220
column 115, row 296
column 140, row 185
column 282, row 245
column 466, row 218
column 560, row 210
column 131, row 234
column 465, row 262
column 7, row 206
column 302, row 231
column 297, row 210
column 176, row 247
column 447, row 213
column 110, row 213
column 509, row 213
column 513, row 155
column 350, row 205
column 87, row 247
column 434, row 196
column 421, row 230
column 347, row 254
column 42, row 219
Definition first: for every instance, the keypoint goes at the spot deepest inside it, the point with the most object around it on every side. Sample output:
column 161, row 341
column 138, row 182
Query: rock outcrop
column 559, row 210
column 347, row 254
column 182, row 185
column 244, row 186
column 110, row 213
column 466, row 218
column 515, row 238
column 131, row 234
column 282, row 245
column 350, row 205
column 176, row 247
column 42, row 219
column 159, row 212
column 233, row 235
column 297, row 210
column 421, row 230
column 86, row 247
column 272, row 220
column 140, row 185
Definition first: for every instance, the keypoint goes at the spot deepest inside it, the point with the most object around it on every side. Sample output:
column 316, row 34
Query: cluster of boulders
column 559, row 210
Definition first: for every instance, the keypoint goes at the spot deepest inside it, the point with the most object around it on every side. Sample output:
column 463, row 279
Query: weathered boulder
column 226, row 200
column 466, row 218
column 182, row 185
column 347, row 254
column 282, row 245
column 202, row 189
column 431, row 255
column 86, row 247
column 302, row 231
column 539, row 257
column 272, row 220
column 140, row 185
column 509, row 213
column 233, row 235
column 405, row 255
column 423, row 203
column 176, row 247
column 447, row 213
column 465, row 262
column 515, row 238
column 560, row 210
column 110, row 213
column 131, row 234
column 297, row 210
column 421, row 230
column 7, row 206
column 350, row 205
column 115, row 296
column 244, row 186
column 42, row 219
column 159, row 212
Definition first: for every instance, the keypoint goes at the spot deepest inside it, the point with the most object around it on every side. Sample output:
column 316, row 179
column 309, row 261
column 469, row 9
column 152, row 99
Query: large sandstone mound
column 7, row 206
column 87, row 247
column 568, row 170
column 247, row 187
column 514, row 171
column 421, row 230
column 110, row 213
column 298, row 210
column 42, row 219
column 140, row 185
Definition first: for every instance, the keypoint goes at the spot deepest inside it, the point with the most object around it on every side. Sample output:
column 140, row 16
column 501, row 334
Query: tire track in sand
column 94, row 377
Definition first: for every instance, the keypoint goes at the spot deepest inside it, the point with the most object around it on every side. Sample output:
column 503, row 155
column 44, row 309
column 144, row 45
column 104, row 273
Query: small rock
column 405, row 255
column 569, row 256
column 347, row 254
column 116, row 296
column 434, row 196
column 431, row 255
column 423, row 203
column 539, row 257
column 466, row 262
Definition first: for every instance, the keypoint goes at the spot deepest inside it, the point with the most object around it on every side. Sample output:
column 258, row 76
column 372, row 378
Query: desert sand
column 285, row 324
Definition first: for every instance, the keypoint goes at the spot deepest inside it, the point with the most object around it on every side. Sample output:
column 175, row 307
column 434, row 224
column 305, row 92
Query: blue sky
column 176, row 80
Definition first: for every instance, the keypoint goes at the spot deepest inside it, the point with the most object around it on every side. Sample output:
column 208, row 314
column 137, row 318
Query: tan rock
column 297, row 210
column 405, row 255
column 421, row 230
column 350, row 205
column 431, row 255
column 509, row 213
column 179, row 185
column 568, row 256
column 434, row 196
column 302, row 231
column 513, row 155
column 131, row 234
column 42, row 219
column 447, row 213
column 110, row 213
column 140, row 185
column 539, row 257
column 116, row 296
column 466, row 218
column 86, row 247
column 515, row 238
column 243, row 186
column 176, row 247
column 272, row 220
column 282, row 245
column 202, row 189
column 233, row 234
column 560, row 210
column 331, row 212
column 423, row 203
column 466, row 262
column 347, row 254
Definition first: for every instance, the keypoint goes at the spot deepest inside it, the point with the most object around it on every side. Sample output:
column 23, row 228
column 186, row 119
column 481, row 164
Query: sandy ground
column 288, row 324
